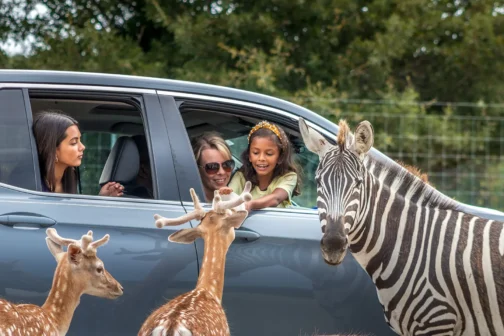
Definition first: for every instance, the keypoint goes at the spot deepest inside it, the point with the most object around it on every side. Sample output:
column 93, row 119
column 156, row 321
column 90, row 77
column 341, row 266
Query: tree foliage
column 331, row 56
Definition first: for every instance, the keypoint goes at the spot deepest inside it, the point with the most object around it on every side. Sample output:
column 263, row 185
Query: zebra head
column 339, row 176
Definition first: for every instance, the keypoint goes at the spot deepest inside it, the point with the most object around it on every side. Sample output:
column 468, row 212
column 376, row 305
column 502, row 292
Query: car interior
column 114, row 136
column 234, row 128
column 116, row 147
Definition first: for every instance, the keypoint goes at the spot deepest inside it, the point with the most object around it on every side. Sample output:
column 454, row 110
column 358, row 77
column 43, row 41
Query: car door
column 138, row 254
column 276, row 282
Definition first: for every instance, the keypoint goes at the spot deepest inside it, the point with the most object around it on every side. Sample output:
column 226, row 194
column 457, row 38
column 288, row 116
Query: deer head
column 86, row 269
column 227, row 214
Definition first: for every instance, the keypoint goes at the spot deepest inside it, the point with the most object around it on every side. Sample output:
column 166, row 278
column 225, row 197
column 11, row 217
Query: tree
column 341, row 58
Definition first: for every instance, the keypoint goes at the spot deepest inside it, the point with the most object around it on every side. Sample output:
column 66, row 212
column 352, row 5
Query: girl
column 60, row 149
column 269, row 164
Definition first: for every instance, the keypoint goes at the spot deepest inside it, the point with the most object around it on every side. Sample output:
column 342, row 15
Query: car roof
column 140, row 82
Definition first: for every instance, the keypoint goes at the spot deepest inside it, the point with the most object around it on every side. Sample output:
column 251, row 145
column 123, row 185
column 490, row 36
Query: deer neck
column 211, row 276
column 64, row 297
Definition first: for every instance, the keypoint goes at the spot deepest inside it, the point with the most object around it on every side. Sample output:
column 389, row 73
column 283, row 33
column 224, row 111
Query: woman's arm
column 272, row 200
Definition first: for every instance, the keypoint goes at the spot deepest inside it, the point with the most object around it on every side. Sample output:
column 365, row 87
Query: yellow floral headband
column 265, row 124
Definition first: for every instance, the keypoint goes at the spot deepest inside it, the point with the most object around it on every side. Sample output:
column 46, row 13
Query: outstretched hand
column 113, row 189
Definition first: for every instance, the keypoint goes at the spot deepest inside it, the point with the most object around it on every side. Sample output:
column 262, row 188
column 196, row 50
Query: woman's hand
column 113, row 189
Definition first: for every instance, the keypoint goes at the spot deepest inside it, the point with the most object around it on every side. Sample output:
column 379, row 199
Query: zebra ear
column 315, row 142
column 363, row 138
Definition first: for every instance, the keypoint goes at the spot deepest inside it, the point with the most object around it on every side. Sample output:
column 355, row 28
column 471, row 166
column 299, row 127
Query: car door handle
column 26, row 221
column 247, row 235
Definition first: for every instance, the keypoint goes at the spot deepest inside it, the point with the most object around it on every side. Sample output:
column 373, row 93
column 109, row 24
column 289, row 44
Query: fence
column 459, row 145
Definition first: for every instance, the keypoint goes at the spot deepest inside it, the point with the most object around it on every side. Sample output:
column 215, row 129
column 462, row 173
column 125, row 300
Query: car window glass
column 16, row 160
column 115, row 139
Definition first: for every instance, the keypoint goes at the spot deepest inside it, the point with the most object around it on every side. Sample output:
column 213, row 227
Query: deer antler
column 198, row 213
column 100, row 242
column 219, row 205
column 86, row 242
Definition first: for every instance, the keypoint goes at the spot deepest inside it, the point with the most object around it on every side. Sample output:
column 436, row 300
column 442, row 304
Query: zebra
column 437, row 269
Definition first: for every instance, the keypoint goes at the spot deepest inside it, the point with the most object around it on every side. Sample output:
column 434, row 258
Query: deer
column 79, row 271
column 199, row 312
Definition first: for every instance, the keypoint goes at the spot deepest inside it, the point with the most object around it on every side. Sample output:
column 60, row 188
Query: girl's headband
column 265, row 124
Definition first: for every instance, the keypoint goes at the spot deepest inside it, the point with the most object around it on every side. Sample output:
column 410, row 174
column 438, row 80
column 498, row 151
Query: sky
column 12, row 47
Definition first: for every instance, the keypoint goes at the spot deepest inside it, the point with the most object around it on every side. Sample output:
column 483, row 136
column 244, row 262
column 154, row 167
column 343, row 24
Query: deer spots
column 159, row 331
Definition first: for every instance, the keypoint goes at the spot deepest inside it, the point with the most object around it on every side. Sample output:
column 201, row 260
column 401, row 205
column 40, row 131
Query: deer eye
column 99, row 269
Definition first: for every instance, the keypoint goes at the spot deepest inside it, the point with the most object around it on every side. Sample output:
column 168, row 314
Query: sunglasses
column 212, row 168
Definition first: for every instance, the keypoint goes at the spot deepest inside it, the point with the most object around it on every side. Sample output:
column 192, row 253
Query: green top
column 287, row 182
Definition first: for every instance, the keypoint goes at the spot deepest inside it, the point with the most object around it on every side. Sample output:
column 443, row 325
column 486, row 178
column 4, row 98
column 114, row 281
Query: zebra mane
column 343, row 132
column 398, row 178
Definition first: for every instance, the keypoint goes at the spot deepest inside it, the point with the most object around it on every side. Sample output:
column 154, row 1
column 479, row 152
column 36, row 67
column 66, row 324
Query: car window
column 114, row 135
column 306, row 160
column 16, row 160
column 234, row 129
column 98, row 147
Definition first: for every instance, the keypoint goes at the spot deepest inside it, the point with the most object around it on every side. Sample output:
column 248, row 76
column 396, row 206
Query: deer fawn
column 79, row 271
column 199, row 312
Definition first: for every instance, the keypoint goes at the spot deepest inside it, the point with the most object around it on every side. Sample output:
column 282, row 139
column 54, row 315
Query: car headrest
column 123, row 162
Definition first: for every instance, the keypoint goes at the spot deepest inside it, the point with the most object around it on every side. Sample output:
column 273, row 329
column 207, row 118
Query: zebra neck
column 384, row 211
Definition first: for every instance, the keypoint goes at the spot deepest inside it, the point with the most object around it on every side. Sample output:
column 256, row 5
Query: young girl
column 269, row 164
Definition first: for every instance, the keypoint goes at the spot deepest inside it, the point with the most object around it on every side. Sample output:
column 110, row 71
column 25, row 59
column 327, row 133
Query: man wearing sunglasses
column 214, row 161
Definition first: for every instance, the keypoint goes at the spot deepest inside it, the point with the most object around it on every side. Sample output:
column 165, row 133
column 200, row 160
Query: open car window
column 234, row 124
column 114, row 135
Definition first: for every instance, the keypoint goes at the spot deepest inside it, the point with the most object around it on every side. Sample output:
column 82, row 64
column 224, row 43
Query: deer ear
column 74, row 254
column 185, row 236
column 237, row 218
column 55, row 249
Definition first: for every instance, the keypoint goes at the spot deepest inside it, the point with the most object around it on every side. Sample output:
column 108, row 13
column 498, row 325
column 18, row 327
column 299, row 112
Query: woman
column 214, row 161
column 60, row 150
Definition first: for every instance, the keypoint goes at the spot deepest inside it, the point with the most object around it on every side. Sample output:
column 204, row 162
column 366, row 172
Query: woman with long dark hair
column 60, row 150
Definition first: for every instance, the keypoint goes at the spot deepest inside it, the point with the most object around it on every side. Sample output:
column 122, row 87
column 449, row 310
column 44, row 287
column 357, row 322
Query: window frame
column 241, row 108
column 151, row 112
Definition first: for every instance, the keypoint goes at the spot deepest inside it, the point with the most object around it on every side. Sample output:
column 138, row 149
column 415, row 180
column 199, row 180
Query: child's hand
column 225, row 191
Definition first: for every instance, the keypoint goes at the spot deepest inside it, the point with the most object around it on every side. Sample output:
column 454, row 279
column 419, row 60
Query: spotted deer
column 79, row 271
column 199, row 312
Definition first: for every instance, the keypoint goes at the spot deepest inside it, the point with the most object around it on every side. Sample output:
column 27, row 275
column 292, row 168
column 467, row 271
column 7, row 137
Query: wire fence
column 460, row 146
